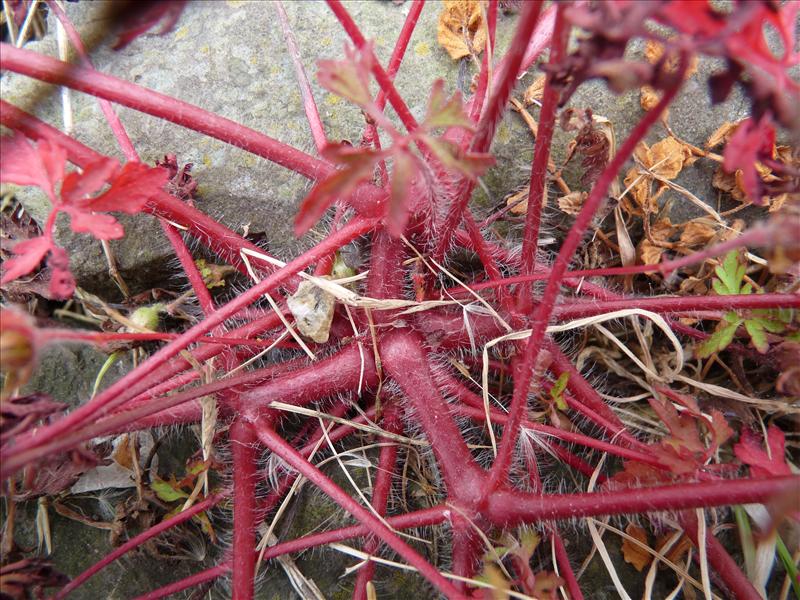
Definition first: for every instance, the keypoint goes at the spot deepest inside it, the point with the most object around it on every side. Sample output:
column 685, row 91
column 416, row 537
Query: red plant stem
column 576, row 462
column 500, row 418
column 102, row 337
column 383, row 79
column 511, row 507
column 484, row 254
column 490, row 119
column 392, row 423
column 586, row 395
column 108, row 111
column 189, row 582
column 245, row 454
column 137, row 541
column 541, row 315
column 483, row 77
column 310, row 107
column 280, row 447
column 405, row 360
column 730, row 573
column 467, row 546
column 403, row 39
column 541, row 156
column 565, row 567
column 421, row 518
column 17, row 457
column 16, row 118
column 335, row 374
column 679, row 304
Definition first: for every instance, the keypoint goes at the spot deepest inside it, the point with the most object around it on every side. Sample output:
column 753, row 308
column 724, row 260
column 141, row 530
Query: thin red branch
column 281, row 448
column 245, row 455
column 542, row 313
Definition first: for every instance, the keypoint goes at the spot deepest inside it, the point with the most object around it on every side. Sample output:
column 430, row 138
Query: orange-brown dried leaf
column 653, row 52
column 633, row 553
column 722, row 134
column 461, row 30
column 648, row 98
column 572, row 202
column 696, row 233
column 669, row 156
column 534, row 91
column 522, row 207
column 640, row 191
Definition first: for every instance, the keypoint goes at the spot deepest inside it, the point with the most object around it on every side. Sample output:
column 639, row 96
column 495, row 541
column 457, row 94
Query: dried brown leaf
column 696, row 233
column 519, row 202
column 648, row 98
column 572, row 202
column 461, row 31
column 631, row 552
column 534, row 91
column 722, row 134
column 669, row 156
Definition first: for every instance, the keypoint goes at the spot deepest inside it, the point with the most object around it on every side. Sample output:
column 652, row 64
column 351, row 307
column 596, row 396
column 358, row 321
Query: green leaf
column 757, row 334
column 730, row 276
column 443, row 112
column 557, row 391
column 719, row 340
column 167, row 491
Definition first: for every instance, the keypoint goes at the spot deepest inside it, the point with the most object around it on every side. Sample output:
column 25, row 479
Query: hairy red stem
column 245, row 454
column 280, row 447
column 511, row 507
column 541, row 155
column 543, row 310
column 137, row 541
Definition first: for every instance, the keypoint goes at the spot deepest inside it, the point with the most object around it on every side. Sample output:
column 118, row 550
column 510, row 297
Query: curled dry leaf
column 696, row 233
column 519, row 202
column 722, row 134
column 572, row 202
column 633, row 553
column 665, row 159
column 650, row 251
column 461, row 30
column 534, row 91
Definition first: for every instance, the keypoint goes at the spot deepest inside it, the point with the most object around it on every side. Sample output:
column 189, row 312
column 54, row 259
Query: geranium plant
column 414, row 351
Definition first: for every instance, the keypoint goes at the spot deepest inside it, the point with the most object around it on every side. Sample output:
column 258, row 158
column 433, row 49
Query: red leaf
column 29, row 253
column 130, row 189
column 103, row 227
column 62, row 284
column 443, row 112
column 142, row 15
column 77, row 186
column 348, row 78
column 750, row 141
column 761, row 464
column 24, row 164
column 339, row 185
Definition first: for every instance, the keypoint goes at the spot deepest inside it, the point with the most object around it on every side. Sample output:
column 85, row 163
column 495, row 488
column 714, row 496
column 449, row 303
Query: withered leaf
column 572, row 202
column 534, row 91
column 696, row 233
column 722, row 134
column 27, row 578
column 312, row 308
column 631, row 552
column 461, row 30
column 518, row 202
column 669, row 156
